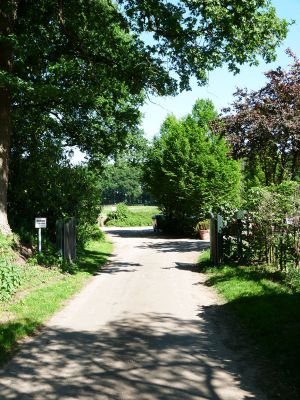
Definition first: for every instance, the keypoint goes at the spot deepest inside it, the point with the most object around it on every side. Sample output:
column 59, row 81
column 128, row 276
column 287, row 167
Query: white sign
column 41, row 222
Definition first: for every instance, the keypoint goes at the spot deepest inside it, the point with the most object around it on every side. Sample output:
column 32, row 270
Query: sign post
column 39, row 224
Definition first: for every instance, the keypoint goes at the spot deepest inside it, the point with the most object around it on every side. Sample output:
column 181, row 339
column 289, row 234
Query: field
column 135, row 216
column 145, row 209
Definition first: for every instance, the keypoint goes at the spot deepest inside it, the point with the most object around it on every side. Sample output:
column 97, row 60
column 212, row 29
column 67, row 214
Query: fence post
column 216, row 240
column 66, row 238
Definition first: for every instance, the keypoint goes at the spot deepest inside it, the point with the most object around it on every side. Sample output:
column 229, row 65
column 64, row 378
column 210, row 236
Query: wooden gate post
column 216, row 240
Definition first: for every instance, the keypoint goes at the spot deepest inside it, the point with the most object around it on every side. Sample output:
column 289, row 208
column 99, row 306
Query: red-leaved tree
column 263, row 127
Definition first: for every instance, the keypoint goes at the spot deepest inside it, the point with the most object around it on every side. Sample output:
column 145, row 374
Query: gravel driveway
column 146, row 328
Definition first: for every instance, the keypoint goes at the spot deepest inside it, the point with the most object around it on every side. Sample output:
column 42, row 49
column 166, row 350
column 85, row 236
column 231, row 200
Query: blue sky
column 222, row 83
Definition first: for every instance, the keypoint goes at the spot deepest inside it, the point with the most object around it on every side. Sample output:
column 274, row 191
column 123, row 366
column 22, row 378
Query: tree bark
column 5, row 110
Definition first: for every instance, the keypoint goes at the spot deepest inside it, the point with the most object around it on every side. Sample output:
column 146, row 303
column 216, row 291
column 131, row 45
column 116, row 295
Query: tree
column 122, row 176
column 44, row 183
column 188, row 171
column 78, row 71
column 263, row 127
column 121, row 183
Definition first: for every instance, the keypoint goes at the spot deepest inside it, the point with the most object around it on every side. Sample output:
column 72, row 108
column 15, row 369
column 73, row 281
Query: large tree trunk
column 5, row 107
column 5, row 131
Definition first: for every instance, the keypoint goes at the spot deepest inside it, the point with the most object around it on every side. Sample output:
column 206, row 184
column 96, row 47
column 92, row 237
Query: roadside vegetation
column 32, row 293
column 72, row 81
column 267, row 305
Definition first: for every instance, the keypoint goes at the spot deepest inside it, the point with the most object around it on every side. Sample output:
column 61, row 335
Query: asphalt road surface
column 146, row 328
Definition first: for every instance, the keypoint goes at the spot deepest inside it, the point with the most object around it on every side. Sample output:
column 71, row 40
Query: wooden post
column 216, row 240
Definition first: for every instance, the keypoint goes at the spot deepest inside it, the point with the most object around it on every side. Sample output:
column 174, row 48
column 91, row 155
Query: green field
column 136, row 216
column 146, row 209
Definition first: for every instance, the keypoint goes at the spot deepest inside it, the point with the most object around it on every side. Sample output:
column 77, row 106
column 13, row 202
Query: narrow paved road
column 146, row 328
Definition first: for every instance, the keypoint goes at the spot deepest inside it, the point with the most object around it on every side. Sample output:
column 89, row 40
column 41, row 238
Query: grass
column 268, row 310
column 138, row 208
column 137, row 216
column 42, row 293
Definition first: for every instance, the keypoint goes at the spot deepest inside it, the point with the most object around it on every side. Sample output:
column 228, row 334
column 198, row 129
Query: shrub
column 10, row 279
column 203, row 225
column 10, row 274
column 122, row 212
column 87, row 232
column 270, row 230
column 137, row 216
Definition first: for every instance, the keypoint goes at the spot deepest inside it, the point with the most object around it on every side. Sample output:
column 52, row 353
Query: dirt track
column 146, row 328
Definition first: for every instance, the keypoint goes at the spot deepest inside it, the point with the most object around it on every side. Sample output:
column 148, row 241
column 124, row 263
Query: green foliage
column 121, row 182
column 57, row 192
column 87, row 232
column 205, row 224
column 269, row 231
column 273, row 211
column 188, row 170
column 292, row 279
column 6, row 252
column 122, row 178
column 10, row 274
column 120, row 214
column 77, row 72
column 10, row 279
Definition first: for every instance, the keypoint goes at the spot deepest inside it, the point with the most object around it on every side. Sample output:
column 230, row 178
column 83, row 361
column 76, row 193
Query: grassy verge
column 268, row 310
column 42, row 293
column 136, row 216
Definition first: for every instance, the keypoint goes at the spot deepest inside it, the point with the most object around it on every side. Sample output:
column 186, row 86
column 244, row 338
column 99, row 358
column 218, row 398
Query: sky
column 222, row 84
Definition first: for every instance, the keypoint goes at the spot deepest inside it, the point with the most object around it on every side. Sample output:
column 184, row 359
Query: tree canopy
column 77, row 71
column 263, row 127
column 122, row 176
column 188, row 171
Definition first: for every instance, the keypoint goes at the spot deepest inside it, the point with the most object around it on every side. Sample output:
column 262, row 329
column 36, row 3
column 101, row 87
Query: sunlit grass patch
column 267, row 309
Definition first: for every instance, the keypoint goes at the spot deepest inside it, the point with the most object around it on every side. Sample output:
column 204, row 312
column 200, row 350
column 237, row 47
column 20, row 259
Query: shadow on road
column 150, row 357
column 179, row 245
column 161, row 242
column 185, row 267
column 132, row 232
column 114, row 267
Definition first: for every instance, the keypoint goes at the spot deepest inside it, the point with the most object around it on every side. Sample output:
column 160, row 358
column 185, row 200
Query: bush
column 125, row 216
column 10, row 279
column 270, row 230
column 121, row 214
column 10, row 274
column 87, row 232
column 292, row 279
column 203, row 225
